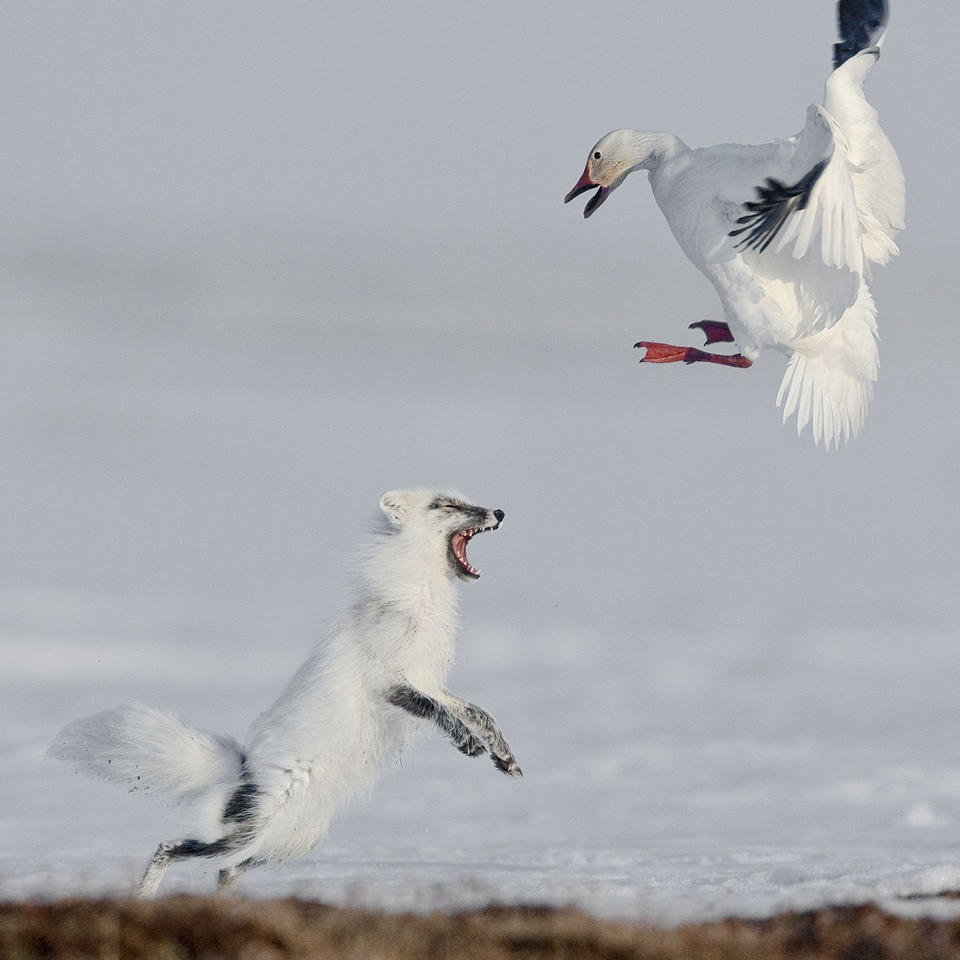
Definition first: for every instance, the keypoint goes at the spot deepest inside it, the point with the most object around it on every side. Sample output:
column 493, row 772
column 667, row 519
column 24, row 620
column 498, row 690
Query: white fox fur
column 142, row 748
column 345, row 710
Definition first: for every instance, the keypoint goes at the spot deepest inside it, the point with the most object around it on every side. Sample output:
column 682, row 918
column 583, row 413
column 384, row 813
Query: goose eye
column 596, row 156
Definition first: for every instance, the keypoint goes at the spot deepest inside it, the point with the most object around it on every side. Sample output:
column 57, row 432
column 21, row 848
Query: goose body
column 785, row 231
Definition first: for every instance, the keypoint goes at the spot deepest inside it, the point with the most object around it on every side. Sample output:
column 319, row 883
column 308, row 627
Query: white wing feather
column 817, row 238
column 829, row 380
column 830, row 213
column 875, row 170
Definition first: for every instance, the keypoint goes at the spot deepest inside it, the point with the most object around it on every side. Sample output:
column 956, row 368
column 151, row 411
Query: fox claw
column 507, row 765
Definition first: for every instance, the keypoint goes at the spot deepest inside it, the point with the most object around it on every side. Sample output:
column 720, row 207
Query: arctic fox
column 346, row 709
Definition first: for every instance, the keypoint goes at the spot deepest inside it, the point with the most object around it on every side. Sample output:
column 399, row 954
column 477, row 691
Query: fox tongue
column 459, row 543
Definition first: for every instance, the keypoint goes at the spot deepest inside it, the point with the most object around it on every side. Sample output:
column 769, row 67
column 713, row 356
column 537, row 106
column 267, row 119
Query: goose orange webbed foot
column 714, row 330
column 667, row 353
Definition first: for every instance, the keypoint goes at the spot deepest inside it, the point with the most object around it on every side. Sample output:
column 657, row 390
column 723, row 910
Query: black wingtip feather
column 861, row 22
column 776, row 201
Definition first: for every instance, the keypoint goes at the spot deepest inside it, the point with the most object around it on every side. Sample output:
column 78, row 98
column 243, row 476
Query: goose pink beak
column 585, row 183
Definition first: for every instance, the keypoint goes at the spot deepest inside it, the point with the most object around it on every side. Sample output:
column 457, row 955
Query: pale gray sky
column 262, row 261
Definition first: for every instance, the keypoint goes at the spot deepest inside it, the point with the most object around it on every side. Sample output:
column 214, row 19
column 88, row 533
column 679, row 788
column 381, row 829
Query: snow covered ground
column 684, row 777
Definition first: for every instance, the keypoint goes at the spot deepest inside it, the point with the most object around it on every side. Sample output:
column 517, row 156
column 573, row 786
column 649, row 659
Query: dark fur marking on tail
column 775, row 202
column 241, row 807
column 860, row 22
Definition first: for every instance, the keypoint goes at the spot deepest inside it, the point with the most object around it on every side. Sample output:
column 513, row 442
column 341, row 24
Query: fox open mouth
column 458, row 551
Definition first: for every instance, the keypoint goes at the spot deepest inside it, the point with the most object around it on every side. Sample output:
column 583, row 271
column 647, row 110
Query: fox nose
column 499, row 514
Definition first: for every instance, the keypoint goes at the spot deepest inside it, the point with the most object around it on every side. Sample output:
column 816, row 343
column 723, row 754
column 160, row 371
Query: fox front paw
column 507, row 765
column 472, row 746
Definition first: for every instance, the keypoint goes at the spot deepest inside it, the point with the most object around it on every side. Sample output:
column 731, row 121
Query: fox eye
column 596, row 156
column 448, row 506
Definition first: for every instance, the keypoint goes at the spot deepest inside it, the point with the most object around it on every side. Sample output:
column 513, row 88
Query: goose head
column 608, row 164
column 617, row 154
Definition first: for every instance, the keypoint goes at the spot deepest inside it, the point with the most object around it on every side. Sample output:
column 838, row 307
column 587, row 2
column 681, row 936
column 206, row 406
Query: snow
column 676, row 777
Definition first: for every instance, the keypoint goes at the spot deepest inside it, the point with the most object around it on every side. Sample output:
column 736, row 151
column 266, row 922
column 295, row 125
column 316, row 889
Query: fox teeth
column 459, row 544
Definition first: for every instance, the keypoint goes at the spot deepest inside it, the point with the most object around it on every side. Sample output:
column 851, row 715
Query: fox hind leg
column 228, row 876
column 170, row 852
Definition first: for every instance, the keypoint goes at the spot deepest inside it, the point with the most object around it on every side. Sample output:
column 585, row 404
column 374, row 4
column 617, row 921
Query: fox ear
column 395, row 505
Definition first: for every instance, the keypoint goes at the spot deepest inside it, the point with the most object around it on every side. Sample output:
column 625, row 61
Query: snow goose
column 785, row 232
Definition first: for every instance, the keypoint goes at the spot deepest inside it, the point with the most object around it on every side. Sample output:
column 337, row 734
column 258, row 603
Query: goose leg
column 665, row 353
column 714, row 330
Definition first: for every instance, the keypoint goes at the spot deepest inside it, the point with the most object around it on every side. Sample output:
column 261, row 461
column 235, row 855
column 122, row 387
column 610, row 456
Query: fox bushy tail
column 142, row 748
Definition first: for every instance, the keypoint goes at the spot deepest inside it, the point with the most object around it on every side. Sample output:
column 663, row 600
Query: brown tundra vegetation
column 181, row 927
